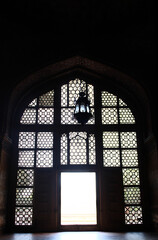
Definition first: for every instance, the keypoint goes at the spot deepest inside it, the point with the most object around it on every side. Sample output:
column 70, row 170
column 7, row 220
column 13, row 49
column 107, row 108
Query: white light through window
column 78, row 198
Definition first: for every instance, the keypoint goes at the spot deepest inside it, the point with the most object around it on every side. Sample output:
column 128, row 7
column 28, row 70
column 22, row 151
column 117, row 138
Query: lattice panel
column 33, row 103
column 78, row 150
column 45, row 115
column 64, row 96
column 91, row 94
column 92, row 120
column 75, row 86
column 131, row 176
column 133, row 215
column 44, row 140
column 29, row 116
column 26, row 159
column 132, row 195
column 64, row 149
column 24, row 196
column 122, row 103
column 110, row 139
column 23, row 215
column 44, row 158
column 26, row 140
column 109, row 116
column 25, row 177
column 126, row 116
column 108, row 99
column 67, row 116
column 129, row 158
column 111, row 158
column 47, row 99
column 92, row 150
column 128, row 140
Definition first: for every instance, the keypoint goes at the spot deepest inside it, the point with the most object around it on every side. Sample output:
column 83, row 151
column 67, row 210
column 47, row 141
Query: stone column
column 6, row 144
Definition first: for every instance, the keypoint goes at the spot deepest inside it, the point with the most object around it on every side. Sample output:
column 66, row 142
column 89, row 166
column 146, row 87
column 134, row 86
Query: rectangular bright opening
column 78, row 198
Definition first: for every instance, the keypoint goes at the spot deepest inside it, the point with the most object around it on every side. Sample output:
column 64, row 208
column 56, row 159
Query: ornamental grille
column 24, row 196
column 45, row 116
column 26, row 158
column 131, row 176
column 110, row 139
column 111, row 158
column 40, row 110
column 47, row 100
column 133, row 215
column 108, row 99
column 126, row 116
column 44, row 158
column 132, row 195
column 75, row 145
column 129, row 158
column 114, row 110
column 128, row 140
column 119, row 147
column 25, row 177
column 109, row 116
column 23, row 216
column 69, row 95
column 27, row 140
column 44, row 140
column 29, row 116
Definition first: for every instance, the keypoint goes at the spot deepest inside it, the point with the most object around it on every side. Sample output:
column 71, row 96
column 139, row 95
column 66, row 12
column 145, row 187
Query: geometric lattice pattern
column 110, row 140
column 128, row 140
column 47, row 99
column 122, row 103
column 131, row 176
column 129, row 158
column 109, row 116
column 92, row 150
column 75, row 145
column 33, row 103
column 111, row 158
column 44, row 140
column 75, row 86
column 69, row 95
column 26, row 140
column 132, row 195
column 63, row 149
column 23, row 215
column 133, row 215
column 25, row 177
column 64, row 96
column 46, row 115
column 24, row 196
column 44, row 158
column 29, row 116
column 126, row 116
column 91, row 94
column 67, row 116
column 26, row 159
column 108, row 99
column 78, row 150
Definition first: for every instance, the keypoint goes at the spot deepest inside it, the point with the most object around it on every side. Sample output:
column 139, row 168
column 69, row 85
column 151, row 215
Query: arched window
column 50, row 138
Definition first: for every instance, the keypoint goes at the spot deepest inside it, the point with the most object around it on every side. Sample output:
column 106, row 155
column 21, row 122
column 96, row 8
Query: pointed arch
column 113, row 84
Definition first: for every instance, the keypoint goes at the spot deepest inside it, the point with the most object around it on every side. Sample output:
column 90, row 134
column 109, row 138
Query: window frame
column 89, row 129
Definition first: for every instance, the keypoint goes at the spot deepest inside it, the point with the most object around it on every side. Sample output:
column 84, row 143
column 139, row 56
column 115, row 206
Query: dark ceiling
column 120, row 33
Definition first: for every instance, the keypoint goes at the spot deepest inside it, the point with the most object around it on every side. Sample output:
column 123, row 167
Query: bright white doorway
column 78, row 198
